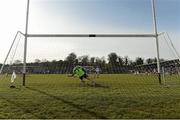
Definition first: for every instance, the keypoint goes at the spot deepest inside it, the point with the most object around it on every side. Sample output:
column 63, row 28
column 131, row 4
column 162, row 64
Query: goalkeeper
column 81, row 73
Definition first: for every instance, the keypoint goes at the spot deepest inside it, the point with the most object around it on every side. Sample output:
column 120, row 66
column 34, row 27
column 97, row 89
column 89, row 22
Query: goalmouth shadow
column 98, row 85
column 94, row 114
column 20, row 108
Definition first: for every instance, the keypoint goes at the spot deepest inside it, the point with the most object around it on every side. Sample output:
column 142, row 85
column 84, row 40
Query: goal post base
column 24, row 79
column 159, row 78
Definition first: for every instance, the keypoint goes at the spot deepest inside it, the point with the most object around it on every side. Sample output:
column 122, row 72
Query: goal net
column 106, row 60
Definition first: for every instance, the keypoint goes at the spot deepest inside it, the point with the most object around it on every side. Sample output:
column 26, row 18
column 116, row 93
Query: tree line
column 112, row 59
column 113, row 64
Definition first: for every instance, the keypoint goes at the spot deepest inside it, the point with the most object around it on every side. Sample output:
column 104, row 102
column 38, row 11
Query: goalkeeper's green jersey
column 79, row 71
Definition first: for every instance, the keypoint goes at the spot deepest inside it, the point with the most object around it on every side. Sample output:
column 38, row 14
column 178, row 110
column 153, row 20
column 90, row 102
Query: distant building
column 170, row 66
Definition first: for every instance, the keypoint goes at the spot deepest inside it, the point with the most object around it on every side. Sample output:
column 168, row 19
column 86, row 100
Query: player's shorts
column 83, row 76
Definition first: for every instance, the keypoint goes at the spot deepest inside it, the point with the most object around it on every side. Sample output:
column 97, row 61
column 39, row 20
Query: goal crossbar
column 91, row 35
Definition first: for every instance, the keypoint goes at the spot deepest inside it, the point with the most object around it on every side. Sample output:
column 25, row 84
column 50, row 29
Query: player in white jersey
column 97, row 72
column 13, row 77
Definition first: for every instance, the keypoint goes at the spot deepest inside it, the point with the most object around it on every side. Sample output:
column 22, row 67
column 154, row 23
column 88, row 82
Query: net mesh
column 124, row 69
column 49, row 56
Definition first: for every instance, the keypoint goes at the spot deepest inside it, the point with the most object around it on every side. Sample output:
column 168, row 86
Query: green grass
column 120, row 96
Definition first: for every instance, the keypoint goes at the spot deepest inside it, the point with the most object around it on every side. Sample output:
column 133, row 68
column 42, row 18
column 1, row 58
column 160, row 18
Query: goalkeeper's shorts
column 83, row 76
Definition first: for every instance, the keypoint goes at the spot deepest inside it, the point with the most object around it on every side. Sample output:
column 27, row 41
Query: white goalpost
column 150, row 35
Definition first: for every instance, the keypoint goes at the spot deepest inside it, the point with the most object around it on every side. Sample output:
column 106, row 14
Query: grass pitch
column 119, row 96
